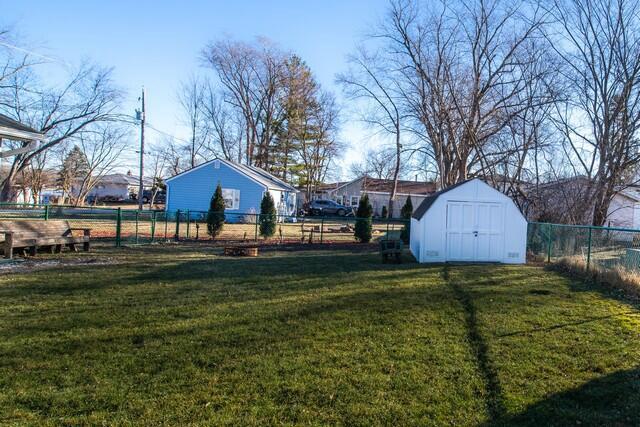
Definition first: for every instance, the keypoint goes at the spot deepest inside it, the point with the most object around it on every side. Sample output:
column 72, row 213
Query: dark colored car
column 161, row 196
column 328, row 207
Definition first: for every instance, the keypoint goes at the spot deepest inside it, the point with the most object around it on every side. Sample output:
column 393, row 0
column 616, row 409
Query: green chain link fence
column 591, row 247
column 111, row 225
column 588, row 246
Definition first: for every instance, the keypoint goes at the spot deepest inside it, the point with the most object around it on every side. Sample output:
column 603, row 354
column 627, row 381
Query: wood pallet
column 250, row 251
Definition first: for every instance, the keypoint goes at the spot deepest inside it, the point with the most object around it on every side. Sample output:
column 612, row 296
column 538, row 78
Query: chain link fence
column 585, row 247
column 128, row 226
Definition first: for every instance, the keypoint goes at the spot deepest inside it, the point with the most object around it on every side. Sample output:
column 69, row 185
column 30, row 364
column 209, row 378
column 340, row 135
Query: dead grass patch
column 617, row 278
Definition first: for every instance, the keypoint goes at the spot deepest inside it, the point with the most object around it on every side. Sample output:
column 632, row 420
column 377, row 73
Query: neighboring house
column 113, row 187
column 379, row 191
column 243, row 187
column 565, row 201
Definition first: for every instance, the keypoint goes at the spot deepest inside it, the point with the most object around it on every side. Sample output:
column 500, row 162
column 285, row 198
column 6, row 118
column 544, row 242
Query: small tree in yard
column 405, row 213
column 215, row 216
column 268, row 217
column 362, row 231
column 385, row 212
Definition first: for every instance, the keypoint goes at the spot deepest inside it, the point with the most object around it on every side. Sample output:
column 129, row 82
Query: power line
column 150, row 126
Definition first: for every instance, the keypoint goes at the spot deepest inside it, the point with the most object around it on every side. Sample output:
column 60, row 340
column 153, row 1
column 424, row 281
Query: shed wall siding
column 193, row 190
column 428, row 235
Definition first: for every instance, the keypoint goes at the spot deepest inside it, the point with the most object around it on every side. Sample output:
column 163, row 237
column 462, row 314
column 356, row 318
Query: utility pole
column 141, row 185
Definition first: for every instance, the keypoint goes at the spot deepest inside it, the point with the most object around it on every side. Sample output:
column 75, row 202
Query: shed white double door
column 474, row 231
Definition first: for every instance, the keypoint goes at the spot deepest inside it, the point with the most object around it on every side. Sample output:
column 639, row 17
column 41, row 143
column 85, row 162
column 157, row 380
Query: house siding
column 193, row 190
column 377, row 199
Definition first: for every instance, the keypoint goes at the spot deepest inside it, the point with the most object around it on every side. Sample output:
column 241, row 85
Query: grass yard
column 181, row 336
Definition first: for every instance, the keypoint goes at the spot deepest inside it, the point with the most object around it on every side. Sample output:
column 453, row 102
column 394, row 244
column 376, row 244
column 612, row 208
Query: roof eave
column 20, row 135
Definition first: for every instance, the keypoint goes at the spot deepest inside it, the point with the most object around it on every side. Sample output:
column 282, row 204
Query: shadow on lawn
column 494, row 400
column 611, row 400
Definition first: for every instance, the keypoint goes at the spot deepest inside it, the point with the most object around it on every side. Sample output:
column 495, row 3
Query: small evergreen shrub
column 363, row 230
column 215, row 215
column 385, row 212
column 405, row 214
column 268, row 216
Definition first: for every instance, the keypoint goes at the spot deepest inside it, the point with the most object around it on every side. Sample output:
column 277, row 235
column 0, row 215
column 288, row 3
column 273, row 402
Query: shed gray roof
column 429, row 201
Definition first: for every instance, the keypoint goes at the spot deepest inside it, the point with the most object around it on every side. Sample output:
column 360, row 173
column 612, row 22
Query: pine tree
column 363, row 230
column 74, row 166
column 268, row 216
column 405, row 213
column 215, row 216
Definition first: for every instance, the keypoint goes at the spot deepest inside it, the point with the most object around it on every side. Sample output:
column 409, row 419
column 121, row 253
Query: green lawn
column 180, row 335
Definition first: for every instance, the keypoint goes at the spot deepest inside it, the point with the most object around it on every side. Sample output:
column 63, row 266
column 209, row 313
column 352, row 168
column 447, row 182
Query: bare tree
column 251, row 75
column 159, row 156
column 372, row 79
column 191, row 96
column 36, row 177
column 88, row 97
column 377, row 163
column 318, row 144
column 462, row 75
column 102, row 147
column 224, row 126
column 599, row 43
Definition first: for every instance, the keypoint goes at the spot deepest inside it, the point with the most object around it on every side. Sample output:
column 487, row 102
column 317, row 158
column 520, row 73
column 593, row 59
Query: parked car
column 161, row 196
column 328, row 207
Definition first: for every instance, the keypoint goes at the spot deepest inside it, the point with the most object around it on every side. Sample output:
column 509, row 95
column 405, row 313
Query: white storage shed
column 471, row 222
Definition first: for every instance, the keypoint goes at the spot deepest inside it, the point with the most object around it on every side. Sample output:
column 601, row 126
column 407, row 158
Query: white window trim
column 235, row 196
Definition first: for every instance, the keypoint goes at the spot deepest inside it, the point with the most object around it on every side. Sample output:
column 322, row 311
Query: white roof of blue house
column 259, row 175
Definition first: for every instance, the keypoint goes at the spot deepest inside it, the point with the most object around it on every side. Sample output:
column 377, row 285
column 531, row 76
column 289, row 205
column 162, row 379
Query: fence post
column 137, row 217
column 387, row 226
column 153, row 225
column 255, row 238
column 321, row 228
column 549, row 244
column 177, row 235
column 46, row 212
column 118, row 227
column 166, row 225
column 589, row 250
column 188, row 223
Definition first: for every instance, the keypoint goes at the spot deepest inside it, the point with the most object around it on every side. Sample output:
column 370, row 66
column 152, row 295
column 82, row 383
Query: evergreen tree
column 215, row 216
column 385, row 212
column 74, row 166
column 405, row 213
column 363, row 230
column 268, row 216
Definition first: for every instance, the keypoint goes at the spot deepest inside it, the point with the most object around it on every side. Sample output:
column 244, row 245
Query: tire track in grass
column 494, row 400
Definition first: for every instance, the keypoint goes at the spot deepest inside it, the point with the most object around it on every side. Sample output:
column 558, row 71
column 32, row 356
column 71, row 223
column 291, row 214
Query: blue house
column 243, row 187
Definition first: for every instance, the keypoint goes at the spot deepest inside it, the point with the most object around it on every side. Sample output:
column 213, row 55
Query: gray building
column 379, row 191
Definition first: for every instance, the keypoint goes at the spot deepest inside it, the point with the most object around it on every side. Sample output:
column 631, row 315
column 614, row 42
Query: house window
column 216, row 164
column 231, row 198
column 355, row 201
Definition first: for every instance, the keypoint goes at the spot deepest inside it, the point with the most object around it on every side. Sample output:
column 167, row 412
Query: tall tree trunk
column 7, row 193
column 396, row 173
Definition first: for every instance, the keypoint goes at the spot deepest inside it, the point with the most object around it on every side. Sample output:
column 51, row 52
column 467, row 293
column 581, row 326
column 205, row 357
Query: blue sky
column 157, row 44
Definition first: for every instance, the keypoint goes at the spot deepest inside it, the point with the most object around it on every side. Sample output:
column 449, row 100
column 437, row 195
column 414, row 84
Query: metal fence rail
column 130, row 226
